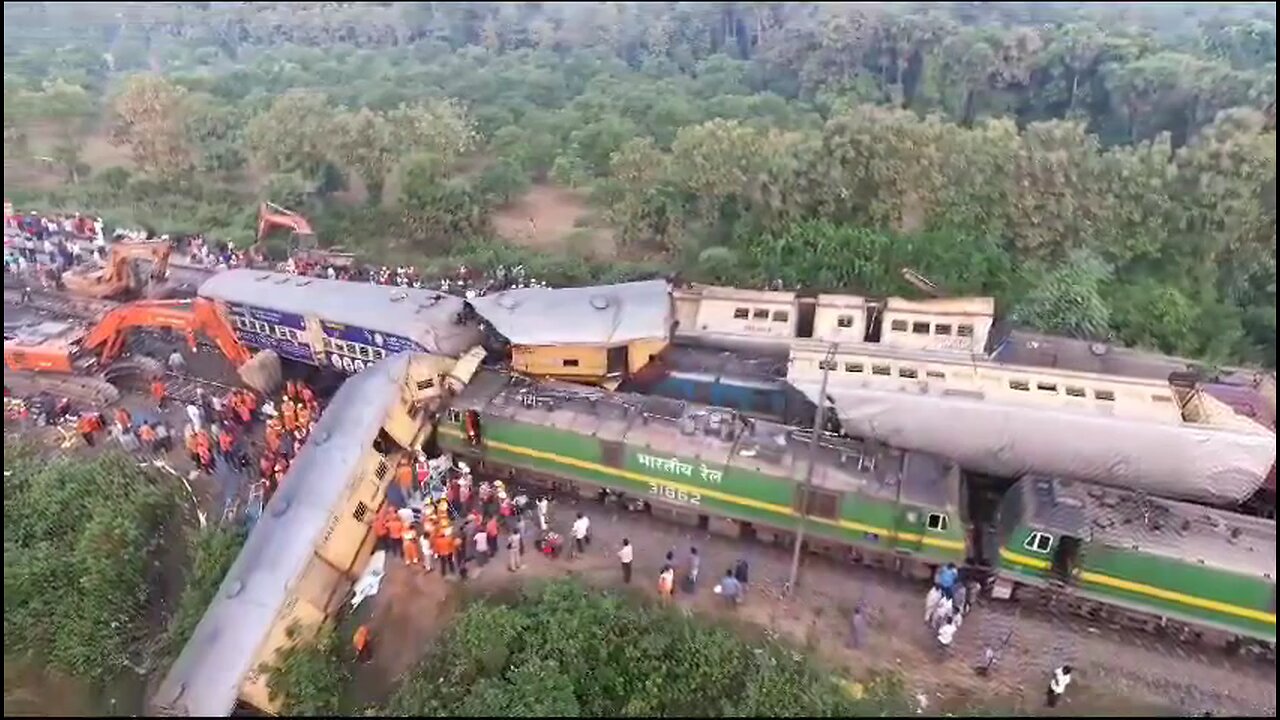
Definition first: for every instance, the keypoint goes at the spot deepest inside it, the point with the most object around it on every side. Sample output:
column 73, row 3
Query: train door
column 616, row 361
column 1066, row 556
column 315, row 339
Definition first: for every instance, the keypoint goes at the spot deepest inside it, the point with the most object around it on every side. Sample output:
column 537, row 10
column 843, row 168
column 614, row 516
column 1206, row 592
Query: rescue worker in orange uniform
column 158, row 392
column 123, row 419
column 85, row 426
column 289, row 414
column 412, row 555
column 395, row 534
column 306, row 395
column 404, row 476
column 147, row 435
column 380, row 528
column 225, row 443
column 443, row 545
column 360, row 641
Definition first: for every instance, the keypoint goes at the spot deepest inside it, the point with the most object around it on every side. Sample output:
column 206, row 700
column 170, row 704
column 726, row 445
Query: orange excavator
column 302, row 241
column 117, row 279
column 54, row 347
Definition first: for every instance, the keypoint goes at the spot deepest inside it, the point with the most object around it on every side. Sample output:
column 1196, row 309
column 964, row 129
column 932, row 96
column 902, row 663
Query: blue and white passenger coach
column 343, row 325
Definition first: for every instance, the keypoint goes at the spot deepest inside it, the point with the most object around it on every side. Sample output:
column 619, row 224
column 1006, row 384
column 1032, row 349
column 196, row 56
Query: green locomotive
column 878, row 501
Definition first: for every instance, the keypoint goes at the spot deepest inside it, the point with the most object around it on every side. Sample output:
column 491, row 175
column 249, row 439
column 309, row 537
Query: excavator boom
column 189, row 316
column 271, row 216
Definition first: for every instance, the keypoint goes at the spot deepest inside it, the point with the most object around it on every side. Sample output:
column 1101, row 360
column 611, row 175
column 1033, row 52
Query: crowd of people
column 946, row 604
column 220, row 429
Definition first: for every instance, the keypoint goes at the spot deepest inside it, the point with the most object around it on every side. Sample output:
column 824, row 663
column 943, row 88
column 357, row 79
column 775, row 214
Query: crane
column 117, row 279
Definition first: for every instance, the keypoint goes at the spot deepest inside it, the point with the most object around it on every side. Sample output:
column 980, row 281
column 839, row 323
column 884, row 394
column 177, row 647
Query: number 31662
column 675, row 494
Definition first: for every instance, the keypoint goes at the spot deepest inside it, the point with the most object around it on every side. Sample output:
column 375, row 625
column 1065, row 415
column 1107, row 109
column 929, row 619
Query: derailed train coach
column 876, row 502
column 341, row 325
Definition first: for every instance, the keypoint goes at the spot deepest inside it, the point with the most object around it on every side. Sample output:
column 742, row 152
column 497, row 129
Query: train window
column 866, row 463
column 1162, row 398
column 821, row 504
column 760, row 314
column 898, row 326
column 964, row 330
column 454, row 415
column 907, row 372
column 569, row 362
column 880, row 370
column 1104, row 395
column 1039, row 542
column 366, row 352
column 937, row 521
column 920, row 328
column 826, row 364
column 844, row 321
column 741, row 313
column 360, row 511
column 781, row 316
column 853, row 367
column 942, row 329
column 1019, row 385
column 935, row 374
column 381, row 353
column 1047, row 387
column 1075, row 391
column 328, row 343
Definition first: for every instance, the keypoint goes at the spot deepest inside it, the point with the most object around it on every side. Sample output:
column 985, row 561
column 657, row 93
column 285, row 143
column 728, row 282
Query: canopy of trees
column 565, row 651
column 1126, row 151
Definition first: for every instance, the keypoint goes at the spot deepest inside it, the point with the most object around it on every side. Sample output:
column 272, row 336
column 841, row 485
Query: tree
column 66, row 109
column 1068, row 299
column 441, row 129
column 294, row 134
column 362, row 140
column 149, row 117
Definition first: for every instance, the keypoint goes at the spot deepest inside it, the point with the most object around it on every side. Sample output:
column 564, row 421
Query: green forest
column 1104, row 170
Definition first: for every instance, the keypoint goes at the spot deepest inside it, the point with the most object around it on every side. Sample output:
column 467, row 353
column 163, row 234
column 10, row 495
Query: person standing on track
column 1057, row 685
column 580, row 528
column 158, row 393
column 625, row 555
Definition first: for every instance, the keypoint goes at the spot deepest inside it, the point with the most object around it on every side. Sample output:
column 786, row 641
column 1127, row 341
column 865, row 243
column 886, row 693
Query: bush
column 565, row 650
column 80, row 542
column 211, row 553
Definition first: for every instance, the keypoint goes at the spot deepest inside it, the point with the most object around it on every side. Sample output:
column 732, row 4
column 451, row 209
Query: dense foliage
column 81, row 539
column 562, row 650
column 210, row 554
column 1010, row 148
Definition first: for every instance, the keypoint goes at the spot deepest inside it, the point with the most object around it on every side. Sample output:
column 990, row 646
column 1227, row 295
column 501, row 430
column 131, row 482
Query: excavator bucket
column 262, row 372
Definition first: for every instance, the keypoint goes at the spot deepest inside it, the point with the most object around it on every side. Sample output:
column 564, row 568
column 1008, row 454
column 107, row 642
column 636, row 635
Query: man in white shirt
column 946, row 634
column 580, row 528
column 625, row 555
column 1058, row 685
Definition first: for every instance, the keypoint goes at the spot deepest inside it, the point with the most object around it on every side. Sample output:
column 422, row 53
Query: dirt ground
column 1116, row 674
column 545, row 218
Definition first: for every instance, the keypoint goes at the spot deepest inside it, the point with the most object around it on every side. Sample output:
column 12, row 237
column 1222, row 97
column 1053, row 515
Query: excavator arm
column 190, row 316
column 271, row 216
column 117, row 277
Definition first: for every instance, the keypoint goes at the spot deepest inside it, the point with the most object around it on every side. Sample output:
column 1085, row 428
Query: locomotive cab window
column 898, row 326
column 936, row 521
column 454, row 415
column 741, row 313
column 1040, row 542
column 821, row 504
